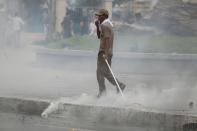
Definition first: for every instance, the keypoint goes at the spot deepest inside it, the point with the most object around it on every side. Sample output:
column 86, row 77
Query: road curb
column 22, row 106
column 94, row 117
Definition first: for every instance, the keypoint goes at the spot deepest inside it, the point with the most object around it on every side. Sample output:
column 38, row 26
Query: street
column 30, row 74
column 26, row 73
column 17, row 122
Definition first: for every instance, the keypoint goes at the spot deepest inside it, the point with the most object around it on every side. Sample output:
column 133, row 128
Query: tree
column 89, row 2
column 119, row 2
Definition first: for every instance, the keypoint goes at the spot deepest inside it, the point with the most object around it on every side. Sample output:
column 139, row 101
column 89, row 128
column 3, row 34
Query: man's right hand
column 97, row 23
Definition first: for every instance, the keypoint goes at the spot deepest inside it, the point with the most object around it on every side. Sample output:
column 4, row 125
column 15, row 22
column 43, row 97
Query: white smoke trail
column 175, row 99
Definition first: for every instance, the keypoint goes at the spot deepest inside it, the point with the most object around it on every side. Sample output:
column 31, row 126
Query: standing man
column 106, row 35
column 66, row 25
column 3, row 25
column 18, row 23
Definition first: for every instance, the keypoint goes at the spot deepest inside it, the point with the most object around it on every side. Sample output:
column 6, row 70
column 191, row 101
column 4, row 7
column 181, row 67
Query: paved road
column 127, row 63
column 25, row 74
column 47, row 74
column 19, row 122
column 151, row 69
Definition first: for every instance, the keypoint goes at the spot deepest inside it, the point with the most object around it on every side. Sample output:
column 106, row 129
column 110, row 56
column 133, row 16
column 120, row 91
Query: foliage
column 98, row 2
column 119, row 2
column 89, row 2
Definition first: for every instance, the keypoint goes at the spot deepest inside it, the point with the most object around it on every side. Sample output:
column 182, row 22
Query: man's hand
column 97, row 23
column 105, row 56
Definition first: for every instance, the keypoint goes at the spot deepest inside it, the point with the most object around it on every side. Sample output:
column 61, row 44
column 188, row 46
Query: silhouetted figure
column 66, row 25
column 84, row 25
column 17, row 24
column 92, row 28
column 3, row 24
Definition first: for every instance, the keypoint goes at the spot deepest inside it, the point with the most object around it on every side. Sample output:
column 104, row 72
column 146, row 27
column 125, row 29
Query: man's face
column 101, row 18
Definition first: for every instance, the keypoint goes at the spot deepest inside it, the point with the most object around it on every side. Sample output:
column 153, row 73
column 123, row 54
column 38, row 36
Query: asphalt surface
column 20, row 122
column 122, row 62
column 53, row 74
column 26, row 73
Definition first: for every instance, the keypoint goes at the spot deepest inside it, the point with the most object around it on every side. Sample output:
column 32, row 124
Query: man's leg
column 110, row 77
column 100, row 74
column 101, row 82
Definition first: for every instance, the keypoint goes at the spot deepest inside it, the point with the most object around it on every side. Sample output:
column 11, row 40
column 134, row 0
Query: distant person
column 76, row 17
column 46, row 24
column 3, row 25
column 138, row 16
column 17, row 25
column 92, row 29
column 66, row 25
column 106, row 35
column 84, row 25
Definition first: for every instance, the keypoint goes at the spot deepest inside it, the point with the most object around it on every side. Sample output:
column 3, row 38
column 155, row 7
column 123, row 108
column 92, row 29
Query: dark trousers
column 104, row 72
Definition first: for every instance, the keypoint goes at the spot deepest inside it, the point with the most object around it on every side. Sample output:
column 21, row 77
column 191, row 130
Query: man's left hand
column 104, row 56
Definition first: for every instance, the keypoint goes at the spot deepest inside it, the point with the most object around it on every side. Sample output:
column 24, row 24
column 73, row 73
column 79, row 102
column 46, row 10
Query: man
column 106, row 36
column 92, row 28
column 17, row 23
column 3, row 25
column 66, row 24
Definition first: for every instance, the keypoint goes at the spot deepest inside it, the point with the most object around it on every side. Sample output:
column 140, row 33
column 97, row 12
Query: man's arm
column 107, row 34
column 97, row 29
column 106, row 46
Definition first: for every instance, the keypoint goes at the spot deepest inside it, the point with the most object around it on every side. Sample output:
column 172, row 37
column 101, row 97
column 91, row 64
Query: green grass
column 157, row 44
column 147, row 44
column 77, row 42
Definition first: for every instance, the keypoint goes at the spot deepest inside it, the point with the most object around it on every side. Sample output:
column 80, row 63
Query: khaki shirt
column 106, row 32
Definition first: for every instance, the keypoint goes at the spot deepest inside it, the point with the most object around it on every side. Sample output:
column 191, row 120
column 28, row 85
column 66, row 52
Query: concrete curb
column 98, row 117
column 22, row 106
column 123, row 117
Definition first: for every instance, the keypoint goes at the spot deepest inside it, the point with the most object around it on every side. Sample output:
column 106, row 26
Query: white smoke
column 176, row 99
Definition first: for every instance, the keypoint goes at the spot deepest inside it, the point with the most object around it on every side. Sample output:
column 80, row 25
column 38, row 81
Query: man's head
column 102, row 15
